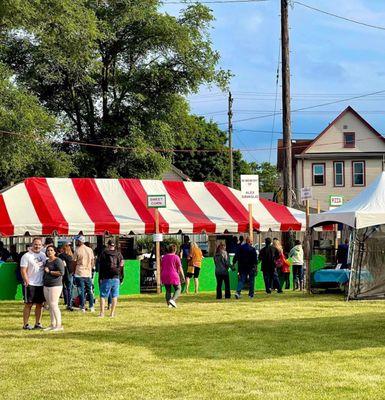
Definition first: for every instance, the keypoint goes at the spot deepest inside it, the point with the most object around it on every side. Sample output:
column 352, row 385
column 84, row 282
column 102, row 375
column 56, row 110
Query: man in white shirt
column 32, row 271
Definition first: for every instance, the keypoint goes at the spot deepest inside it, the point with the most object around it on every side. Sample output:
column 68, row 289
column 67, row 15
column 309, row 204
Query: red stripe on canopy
column 46, row 207
column 7, row 228
column 282, row 214
column 232, row 205
column 95, row 206
column 187, row 206
column 138, row 197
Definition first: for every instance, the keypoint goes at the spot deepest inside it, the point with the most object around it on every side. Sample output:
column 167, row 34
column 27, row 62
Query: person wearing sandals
column 170, row 274
column 222, row 265
column 53, row 285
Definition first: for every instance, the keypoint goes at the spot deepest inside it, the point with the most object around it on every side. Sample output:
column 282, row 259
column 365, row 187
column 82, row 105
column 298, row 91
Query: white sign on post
column 250, row 187
column 156, row 201
column 306, row 193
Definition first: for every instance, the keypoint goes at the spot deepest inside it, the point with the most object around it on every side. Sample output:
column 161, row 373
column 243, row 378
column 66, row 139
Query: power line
column 311, row 107
column 339, row 16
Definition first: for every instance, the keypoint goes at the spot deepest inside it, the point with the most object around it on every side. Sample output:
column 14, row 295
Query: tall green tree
column 114, row 72
column 208, row 158
column 25, row 128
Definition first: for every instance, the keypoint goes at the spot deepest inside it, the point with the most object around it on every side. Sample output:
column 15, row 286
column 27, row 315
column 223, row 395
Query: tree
column 268, row 176
column 26, row 149
column 209, row 155
column 114, row 73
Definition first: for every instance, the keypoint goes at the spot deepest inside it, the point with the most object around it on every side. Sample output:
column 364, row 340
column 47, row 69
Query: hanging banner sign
column 250, row 187
column 336, row 201
column 156, row 201
column 306, row 193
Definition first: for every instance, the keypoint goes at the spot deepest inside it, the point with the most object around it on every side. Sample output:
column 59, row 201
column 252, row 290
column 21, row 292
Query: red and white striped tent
column 63, row 206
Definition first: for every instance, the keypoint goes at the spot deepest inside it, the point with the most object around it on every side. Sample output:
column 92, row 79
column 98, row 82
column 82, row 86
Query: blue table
column 339, row 276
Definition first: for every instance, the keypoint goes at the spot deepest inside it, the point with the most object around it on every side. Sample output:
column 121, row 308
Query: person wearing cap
column 83, row 262
column 111, row 274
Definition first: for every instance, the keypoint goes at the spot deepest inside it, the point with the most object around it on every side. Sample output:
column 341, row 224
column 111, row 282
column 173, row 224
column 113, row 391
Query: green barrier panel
column 317, row 262
column 131, row 283
column 10, row 289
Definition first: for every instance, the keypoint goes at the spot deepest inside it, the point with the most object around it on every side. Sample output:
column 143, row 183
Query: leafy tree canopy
column 114, row 72
column 24, row 136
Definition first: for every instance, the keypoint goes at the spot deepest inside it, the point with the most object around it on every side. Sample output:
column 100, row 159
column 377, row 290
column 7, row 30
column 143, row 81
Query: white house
column 344, row 158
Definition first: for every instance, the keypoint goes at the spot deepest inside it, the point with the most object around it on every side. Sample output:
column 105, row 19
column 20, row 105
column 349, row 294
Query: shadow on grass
column 243, row 339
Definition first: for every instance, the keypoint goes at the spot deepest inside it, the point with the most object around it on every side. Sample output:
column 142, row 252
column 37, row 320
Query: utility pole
column 230, row 128
column 286, row 118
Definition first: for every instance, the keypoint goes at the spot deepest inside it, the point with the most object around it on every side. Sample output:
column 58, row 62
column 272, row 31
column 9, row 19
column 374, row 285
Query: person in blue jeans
column 111, row 274
column 84, row 261
column 247, row 260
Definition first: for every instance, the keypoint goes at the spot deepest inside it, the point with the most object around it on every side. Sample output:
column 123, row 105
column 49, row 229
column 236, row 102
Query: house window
column 349, row 139
column 319, row 174
column 339, row 173
column 358, row 170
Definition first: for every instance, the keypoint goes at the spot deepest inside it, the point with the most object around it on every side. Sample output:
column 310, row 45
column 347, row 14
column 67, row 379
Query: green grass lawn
column 288, row 346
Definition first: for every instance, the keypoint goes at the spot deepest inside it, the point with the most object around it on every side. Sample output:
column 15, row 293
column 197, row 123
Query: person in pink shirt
column 170, row 273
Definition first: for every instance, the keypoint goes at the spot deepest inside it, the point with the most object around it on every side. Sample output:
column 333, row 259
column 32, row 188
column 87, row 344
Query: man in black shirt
column 247, row 260
column 111, row 274
column 268, row 256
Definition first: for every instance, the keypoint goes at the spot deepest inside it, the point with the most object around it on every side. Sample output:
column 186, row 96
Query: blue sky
column 330, row 60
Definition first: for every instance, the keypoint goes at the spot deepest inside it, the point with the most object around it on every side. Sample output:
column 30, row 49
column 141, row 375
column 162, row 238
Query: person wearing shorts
column 194, row 266
column 111, row 274
column 32, row 272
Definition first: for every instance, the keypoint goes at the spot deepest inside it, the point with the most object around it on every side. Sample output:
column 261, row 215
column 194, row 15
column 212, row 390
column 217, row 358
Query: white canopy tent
column 364, row 210
column 365, row 214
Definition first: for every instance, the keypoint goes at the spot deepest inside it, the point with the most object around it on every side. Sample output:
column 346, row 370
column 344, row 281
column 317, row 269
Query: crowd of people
column 47, row 272
column 274, row 265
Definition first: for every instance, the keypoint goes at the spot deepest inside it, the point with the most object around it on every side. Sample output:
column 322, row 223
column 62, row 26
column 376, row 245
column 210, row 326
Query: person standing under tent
column 53, row 286
column 222, row 265
column 32, row 271
column 66, row 255
column 194, row 267
column 282, row 265
column 171, row 272
column 296, row 255
column 268, row 257
column 83, row 264
column 4, row 253
column 247, row 267
column 111, row 275
column 342, row 254
column 47, row 241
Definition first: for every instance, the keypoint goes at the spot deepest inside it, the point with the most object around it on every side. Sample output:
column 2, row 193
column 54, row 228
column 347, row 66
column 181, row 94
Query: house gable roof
column 347, row 110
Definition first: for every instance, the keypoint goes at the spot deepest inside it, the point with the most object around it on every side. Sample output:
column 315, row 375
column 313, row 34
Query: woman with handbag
column 171, row 273
column 222, row 265
column 282, row 265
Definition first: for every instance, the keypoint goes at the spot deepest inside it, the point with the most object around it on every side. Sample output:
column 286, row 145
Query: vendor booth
column 66, row 207
column 365, row 216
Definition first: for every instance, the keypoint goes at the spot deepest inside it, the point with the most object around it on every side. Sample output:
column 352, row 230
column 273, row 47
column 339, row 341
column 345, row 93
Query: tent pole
column 157, row 252
column 307, row 236
column 251, row 223
column 352, row 245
